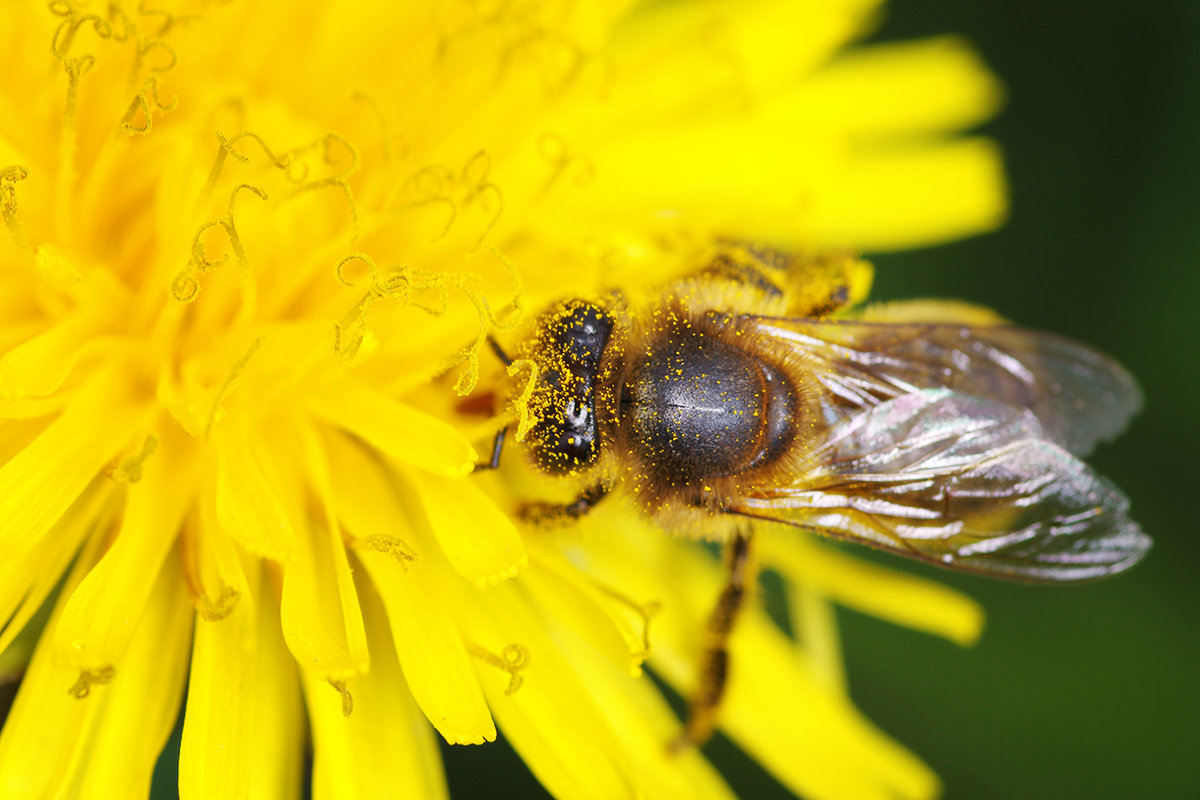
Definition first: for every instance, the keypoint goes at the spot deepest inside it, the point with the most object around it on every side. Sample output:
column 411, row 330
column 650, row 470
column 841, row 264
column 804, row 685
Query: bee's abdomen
column 696, row 407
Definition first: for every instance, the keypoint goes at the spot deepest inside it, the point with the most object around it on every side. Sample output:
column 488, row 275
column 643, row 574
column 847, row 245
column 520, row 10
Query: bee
column 752, row 392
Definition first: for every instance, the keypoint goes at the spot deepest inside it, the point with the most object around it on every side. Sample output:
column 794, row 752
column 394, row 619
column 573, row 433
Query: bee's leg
column 499, row 351
column 556, row 513
column 714, row 662
column 497, row 446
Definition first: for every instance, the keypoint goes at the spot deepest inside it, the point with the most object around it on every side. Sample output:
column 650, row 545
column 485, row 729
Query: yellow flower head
column 253, row 253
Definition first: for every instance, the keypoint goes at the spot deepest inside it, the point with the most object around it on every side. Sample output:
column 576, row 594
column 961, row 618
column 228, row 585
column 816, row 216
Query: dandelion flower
column 252, row 253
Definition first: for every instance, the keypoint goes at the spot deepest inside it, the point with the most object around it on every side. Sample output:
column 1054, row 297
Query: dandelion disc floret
column 251, row 259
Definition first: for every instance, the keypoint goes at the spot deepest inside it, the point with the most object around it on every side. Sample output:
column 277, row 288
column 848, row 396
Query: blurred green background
column 1086, row 692
column 1083, row 692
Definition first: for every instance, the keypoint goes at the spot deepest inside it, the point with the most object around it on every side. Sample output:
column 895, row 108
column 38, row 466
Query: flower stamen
column 226, row 148
column 210, row 610
column 64, row 35
column 186, row 285
column 478, row 187
column 89, row 678
column 513, row 660
column 395, row 284
column 169, row 20
column 145, row 46
column 487, row 321
column 558, row 154
column 122, row 26
column 525, row 419
column 141, row 102
column 130, row 469
column 429, row 183
column 8, row 202
column 351, row 333
column 227, row 385
column 393, row 546
column 347, row 698
column 216, row 610
column 436, row 183
column 645, row 611
column 339, row 180
column 385, row 132
column 517, row 304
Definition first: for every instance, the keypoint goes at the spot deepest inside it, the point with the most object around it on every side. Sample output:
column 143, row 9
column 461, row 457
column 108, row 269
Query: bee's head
column 567, row 349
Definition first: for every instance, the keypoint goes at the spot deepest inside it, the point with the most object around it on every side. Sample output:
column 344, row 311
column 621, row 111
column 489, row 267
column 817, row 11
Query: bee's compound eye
column 569, row 347
column 577, row 446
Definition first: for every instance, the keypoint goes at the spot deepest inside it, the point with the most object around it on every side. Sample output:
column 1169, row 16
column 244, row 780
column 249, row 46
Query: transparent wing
column 1079, row 396
column 963, row 482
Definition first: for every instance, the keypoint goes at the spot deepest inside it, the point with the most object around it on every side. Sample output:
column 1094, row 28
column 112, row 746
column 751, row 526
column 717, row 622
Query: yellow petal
column 550, row 717
column 478, row 539
column 902, row 197
column 248, row 503
column 889, row 89
column 141, row 704
column 314, row 612
column 951, row 312
column 776, row 47
column 101, row 613
column 244, row 731
column 38, row 366
column 373, row 503
column 27, row 579
column 17, row 652
column 779, row 710
column 888, row 594
column 407, row 570
column 105, row 744
column 311, row 611
column 437, row 667
column 637, row 711
column 694, row 56
column 277, row 744
column 402, row 432
column 632, row 708
column 31, row 408
column 703, row 173
column 815, row 622
column 778, row 707
column 811, row 739
column 383, row 748
column 38, row 484
column 17, row 432
column 214, row 755
column 317, row 470
column 609, row 621
column 794, row 180
column 39, row 737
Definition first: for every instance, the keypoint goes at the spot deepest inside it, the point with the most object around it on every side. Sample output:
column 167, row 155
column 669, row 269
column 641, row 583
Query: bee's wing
column 963, row 482
column 1079, row 396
